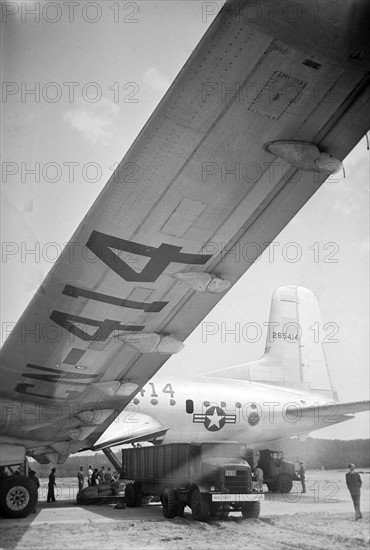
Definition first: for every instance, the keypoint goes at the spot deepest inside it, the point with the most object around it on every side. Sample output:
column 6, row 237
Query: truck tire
column 199, row 506
column 169, row 501
column 130, row 495
column 284, row 484
column 138, row 494
column 251, row 509
column 18, row 496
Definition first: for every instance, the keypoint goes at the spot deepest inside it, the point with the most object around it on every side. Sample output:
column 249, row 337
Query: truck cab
column 278, row 474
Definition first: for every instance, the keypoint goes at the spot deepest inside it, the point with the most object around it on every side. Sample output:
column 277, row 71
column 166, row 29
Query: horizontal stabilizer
column 328, row 414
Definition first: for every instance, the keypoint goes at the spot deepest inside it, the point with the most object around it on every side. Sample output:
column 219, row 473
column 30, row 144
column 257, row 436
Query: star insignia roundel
column 215, row 419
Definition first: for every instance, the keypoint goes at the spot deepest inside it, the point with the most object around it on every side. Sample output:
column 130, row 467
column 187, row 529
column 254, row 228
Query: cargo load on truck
column 210, row 478
column 112, row 493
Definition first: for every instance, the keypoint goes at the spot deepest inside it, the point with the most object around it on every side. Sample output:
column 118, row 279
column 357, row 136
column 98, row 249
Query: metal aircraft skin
column 288, row 392
column 246, row 134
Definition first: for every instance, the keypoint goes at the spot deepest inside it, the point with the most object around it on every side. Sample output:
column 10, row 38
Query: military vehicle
column 211, row 479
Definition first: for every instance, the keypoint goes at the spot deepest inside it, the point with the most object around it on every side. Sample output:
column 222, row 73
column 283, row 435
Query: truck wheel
column 251, row 509
column 169, row 503
column 18, row 496
column 199, row 506
column 284, row 484
column 130, row 495
column 138, row 494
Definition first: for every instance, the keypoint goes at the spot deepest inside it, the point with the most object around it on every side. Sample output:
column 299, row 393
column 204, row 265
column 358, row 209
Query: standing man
column 94, row 477
column 33, row 477
column 354, row 482
column 302, row 476
column 51, row 485
column 80, row 477
column 89, row 475
column 258, row 476
column 108, row 476
column 101, row 475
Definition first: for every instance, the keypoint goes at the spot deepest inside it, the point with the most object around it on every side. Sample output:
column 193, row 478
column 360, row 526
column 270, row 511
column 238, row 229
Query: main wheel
column 284, row 484
column 130, row 495
column 169, row 503
column 199, row 506
column 251, row 509
column 18, row 496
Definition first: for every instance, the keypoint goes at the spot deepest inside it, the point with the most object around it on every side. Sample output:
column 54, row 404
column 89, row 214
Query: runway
column 321, row 518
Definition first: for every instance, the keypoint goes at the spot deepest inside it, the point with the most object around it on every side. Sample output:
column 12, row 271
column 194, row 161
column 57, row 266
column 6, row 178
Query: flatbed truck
column 212, row 479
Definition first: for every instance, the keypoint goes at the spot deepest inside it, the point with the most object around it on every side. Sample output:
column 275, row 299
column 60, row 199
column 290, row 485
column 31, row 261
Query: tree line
column 72, row 465
column 328, row 454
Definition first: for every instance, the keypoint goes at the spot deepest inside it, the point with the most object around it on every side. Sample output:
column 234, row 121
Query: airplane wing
column 254, row 123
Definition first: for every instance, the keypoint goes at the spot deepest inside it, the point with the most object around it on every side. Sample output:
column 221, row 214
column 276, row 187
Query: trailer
column 210, row 478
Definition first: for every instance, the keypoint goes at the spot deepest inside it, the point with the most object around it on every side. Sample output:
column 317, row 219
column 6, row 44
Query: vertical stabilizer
column 294, row 355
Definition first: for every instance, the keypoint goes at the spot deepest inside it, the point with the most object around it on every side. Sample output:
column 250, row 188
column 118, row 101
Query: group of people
column 94, row 476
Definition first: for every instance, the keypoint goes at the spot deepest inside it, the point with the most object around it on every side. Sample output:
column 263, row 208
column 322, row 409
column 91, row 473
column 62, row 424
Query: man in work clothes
column 89, row 475
column 33, row 477
column 80, row 477
column 258, row 476
column 302, row 476
column 354, row 482
column 94, row 477
column 101, row 475
column 51, row 485
column 108, row 476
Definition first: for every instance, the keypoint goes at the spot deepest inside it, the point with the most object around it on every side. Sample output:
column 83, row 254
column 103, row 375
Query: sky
column 80, row 80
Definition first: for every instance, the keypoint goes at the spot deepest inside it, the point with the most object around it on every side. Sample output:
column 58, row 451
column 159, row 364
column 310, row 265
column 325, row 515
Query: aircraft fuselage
column 203, row 409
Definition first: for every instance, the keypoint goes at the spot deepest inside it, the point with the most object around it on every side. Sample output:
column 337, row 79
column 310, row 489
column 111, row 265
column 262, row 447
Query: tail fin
column 294, row 356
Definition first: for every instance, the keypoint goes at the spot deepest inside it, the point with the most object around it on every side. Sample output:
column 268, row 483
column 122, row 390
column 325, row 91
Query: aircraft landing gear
column 18, row 496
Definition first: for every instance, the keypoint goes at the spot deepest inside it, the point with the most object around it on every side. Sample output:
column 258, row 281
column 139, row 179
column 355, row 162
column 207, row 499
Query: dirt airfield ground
column 323, row 518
